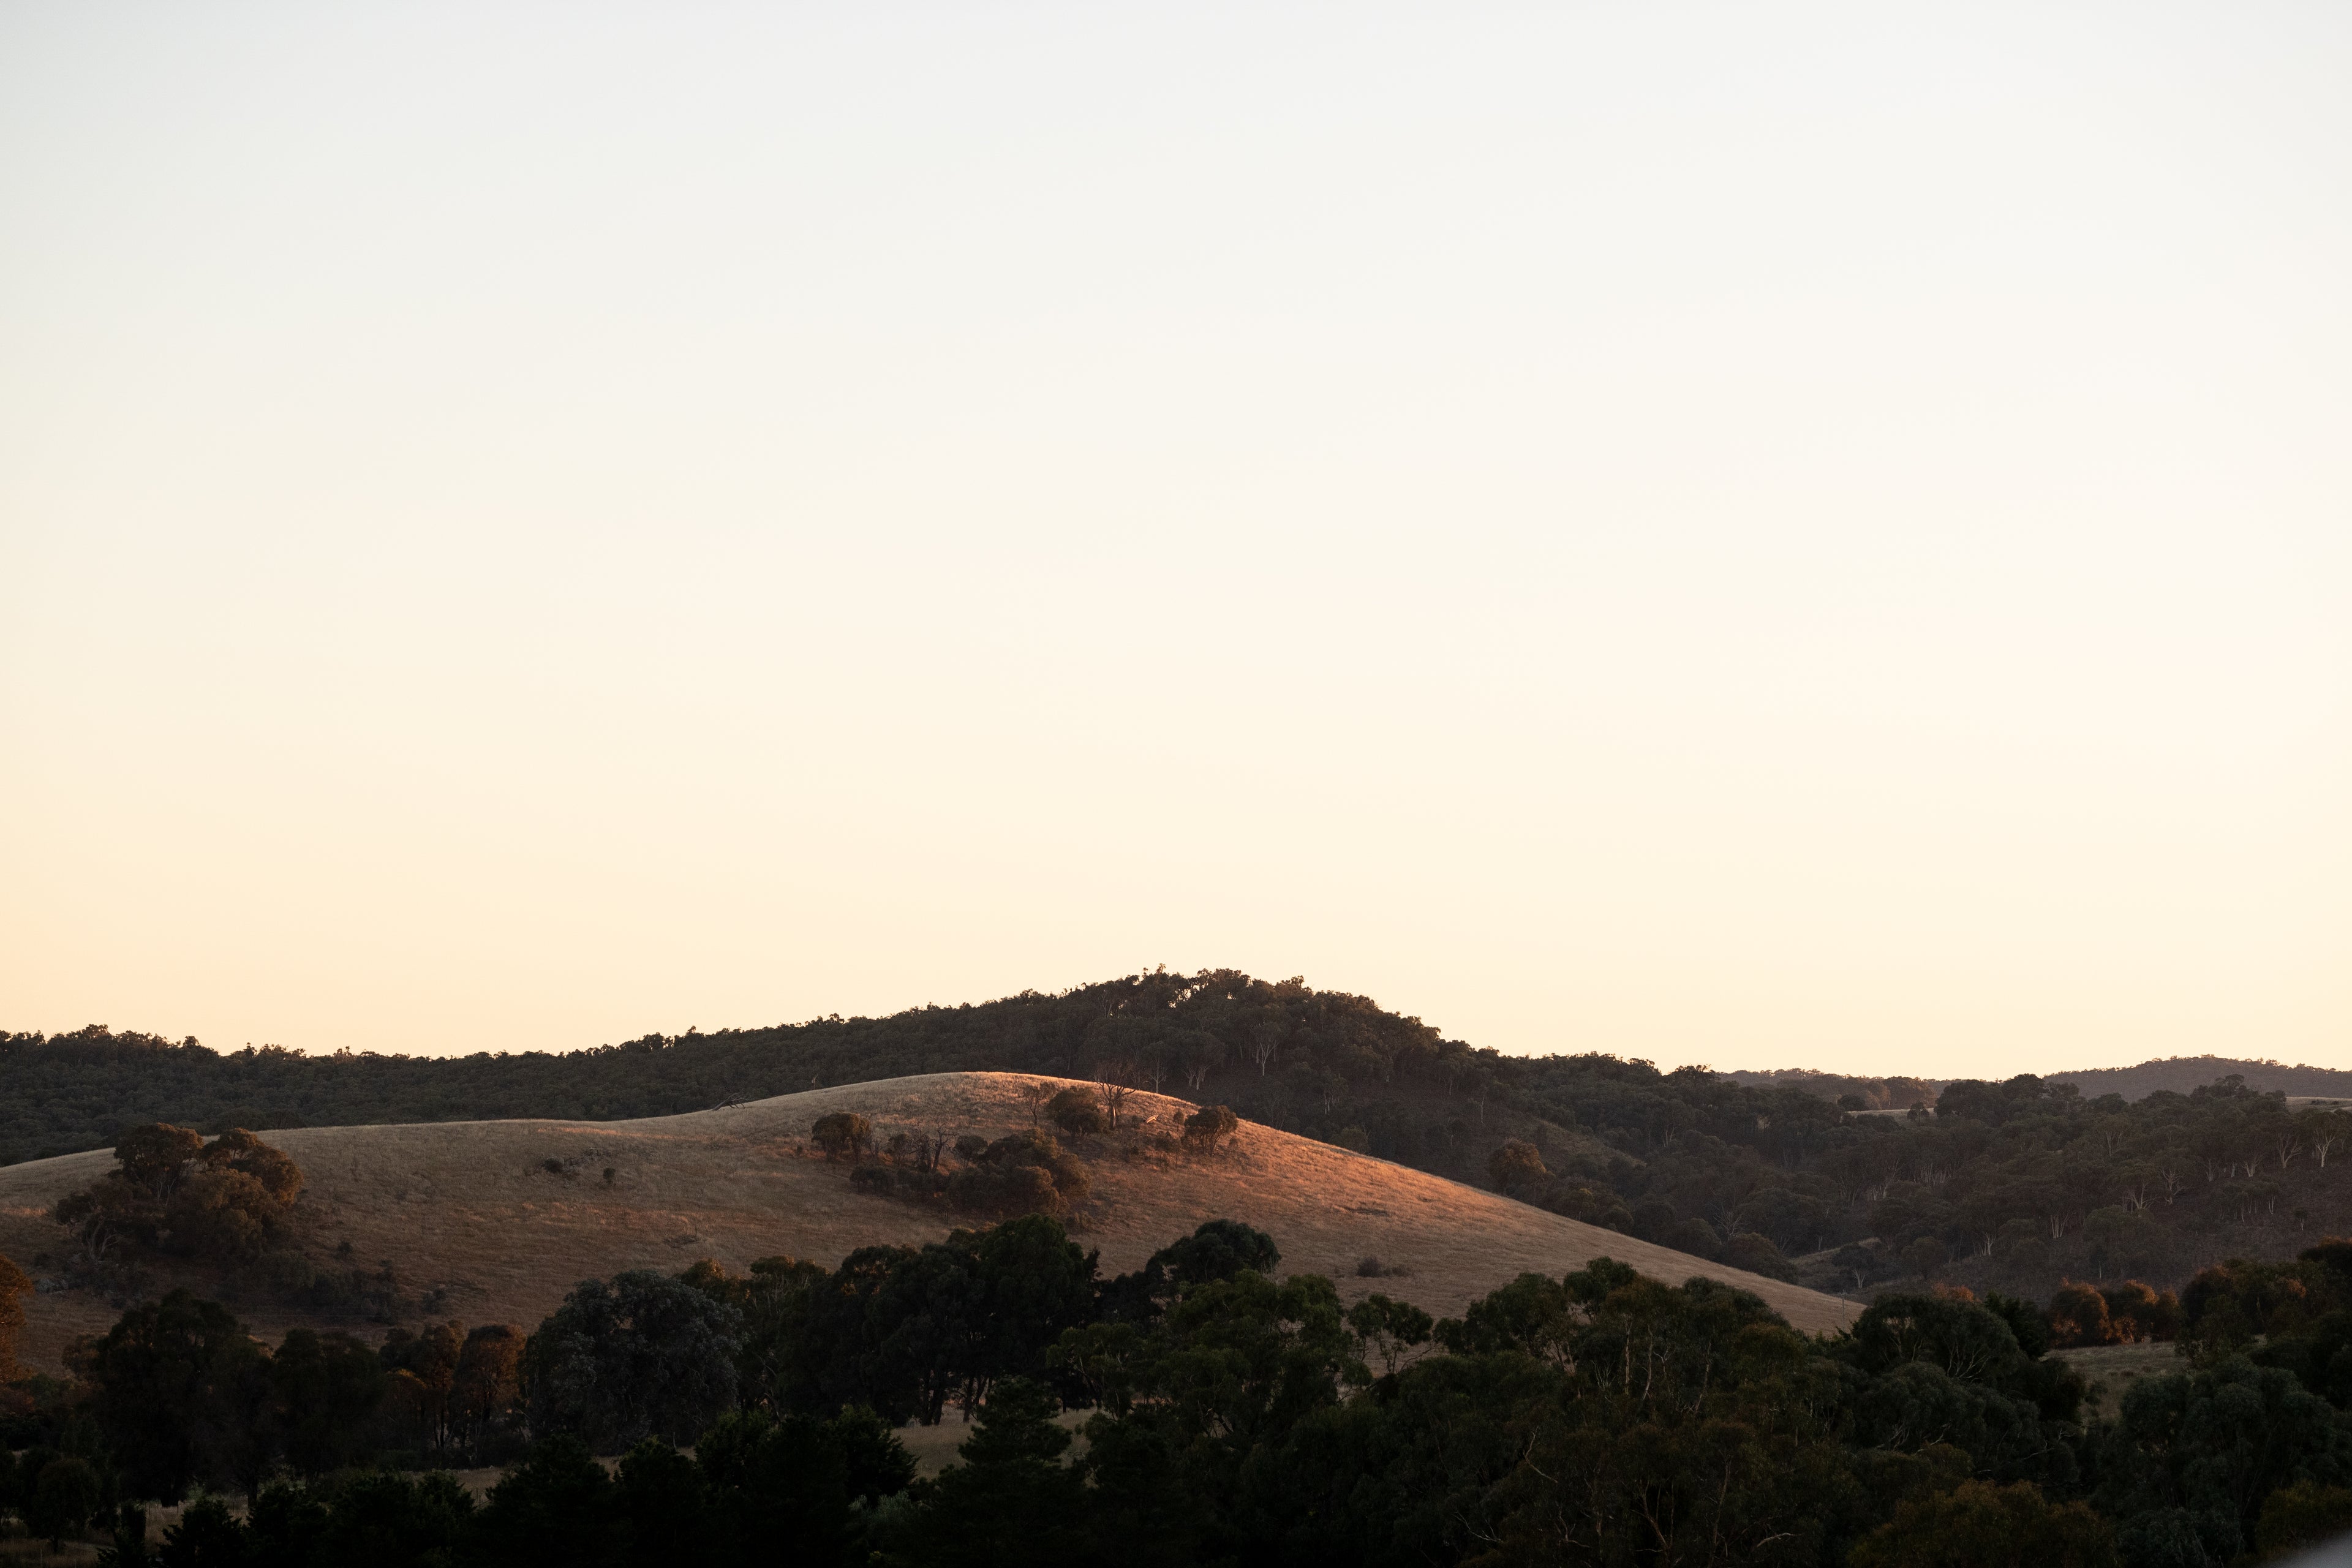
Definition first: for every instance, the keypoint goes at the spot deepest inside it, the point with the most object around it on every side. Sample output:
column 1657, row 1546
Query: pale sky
column 1764, row 535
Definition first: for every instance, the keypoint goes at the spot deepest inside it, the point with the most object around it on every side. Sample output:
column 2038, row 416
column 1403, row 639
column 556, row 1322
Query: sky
column 1795, row 535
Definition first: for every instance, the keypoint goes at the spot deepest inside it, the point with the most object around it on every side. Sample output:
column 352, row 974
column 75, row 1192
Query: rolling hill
column 493, row 1220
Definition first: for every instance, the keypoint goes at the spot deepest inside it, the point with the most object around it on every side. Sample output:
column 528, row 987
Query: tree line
column 2018, row 1186
column 1226, row 1414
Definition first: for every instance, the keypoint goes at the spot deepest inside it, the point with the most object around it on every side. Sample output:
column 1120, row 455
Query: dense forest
column 2019, row 1185
column 1229, row 1416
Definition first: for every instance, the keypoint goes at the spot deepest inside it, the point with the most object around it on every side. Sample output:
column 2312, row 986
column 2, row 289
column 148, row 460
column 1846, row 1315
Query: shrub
column 1927, row 1256
column 1210, row 1126
column 1756, row 1254
column 843, row 1135
column 1692, row 1236
column 2137, row 1311
column 1978, row 1522
column 1024, row 1172
column 877, row 1179
column 1076, row 1112
column 2078, row 1316
column 2302, row 1514
column 1355, row 1139
column 1516, row 1168
column 970, row 1146
column 62, row 1500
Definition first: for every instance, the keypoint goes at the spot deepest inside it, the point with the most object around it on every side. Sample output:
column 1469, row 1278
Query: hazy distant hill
column 2183, row 1074
column 2180, row 1075
column 1875, row 1093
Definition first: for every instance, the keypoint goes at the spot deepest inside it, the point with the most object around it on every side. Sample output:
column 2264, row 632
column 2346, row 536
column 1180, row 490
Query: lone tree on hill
column 1210, row 1126
column 843, row 1135
column 1075, row 1113
column 172, row 1190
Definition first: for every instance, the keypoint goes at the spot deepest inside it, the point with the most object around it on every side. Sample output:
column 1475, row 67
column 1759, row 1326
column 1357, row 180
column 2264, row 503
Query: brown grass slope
column 470, row 1208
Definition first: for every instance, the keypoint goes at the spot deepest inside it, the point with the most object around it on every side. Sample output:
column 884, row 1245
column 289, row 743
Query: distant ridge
column 2182, row 1074
column 2178, row 1074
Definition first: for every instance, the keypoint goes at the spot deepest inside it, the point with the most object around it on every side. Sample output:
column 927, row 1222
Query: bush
column 2137, row 1311
column 2078, row 1316
column 970, row 1146
column 1692, row 1236
column 1756, row 1254
column 1978, row 1522
column 1076, row 1112
column 1355, row 1139
column 1927, row 1256
column 843, row 1135
column 1210, row 1126
column 2302, row 1514
column 62, row 1500
column 1024, row 1172
column 877, row 1179
column 1516, row 1168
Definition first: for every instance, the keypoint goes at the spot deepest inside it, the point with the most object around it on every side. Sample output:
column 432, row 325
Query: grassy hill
column 478, row 1227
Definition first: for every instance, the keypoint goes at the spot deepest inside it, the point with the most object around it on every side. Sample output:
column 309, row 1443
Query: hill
column 2185, row 1075
column 472, row 1218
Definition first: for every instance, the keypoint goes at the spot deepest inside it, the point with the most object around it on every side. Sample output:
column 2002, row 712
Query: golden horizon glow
column 1817, row 539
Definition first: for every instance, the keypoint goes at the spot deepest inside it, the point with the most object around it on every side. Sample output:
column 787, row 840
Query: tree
column 206, row 1536
column 1387, row 1330
column 487, row 1383
column 643, row 1355
column 1516, row 1169
column 1218, row 1249
column 843, row 1135
column 327, row 1388
column 1010, row 1503
column 385, row 1520
column 1977, row 1523
column 2195, row 1454
column 664, row 1507
column 783, row 1488
column 12, row 1286
column 174, row 1391
column 1076, row 1112
column 1209, row 1127
column 555, row 1509
column 63, row 1498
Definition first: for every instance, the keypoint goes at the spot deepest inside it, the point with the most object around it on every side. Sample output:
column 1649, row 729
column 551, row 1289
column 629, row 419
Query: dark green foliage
column 206, row 1536
column 1597, row 1417
column 1977, row 1523
column 643, row 1354
column 1010, row 1503
column 387, row 1521
column 2193, row 1456
column 180, row 1394
column 62, row 1497
column 1218, row 1249
column 1023, row 1173
column 327, row 1388
column 788, row 1488
column 555, row 1509
column 666, row 1504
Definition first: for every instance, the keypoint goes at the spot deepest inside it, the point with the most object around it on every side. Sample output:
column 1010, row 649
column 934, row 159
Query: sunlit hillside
column 493, row 1220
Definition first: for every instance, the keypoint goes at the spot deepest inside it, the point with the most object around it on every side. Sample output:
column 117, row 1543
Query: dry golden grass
column 2113, row 1369
column 468, row 1207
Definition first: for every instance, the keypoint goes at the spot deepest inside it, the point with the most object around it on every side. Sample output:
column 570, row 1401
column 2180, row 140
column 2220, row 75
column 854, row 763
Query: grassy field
column 2113, row 1369
column 472, row 1211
